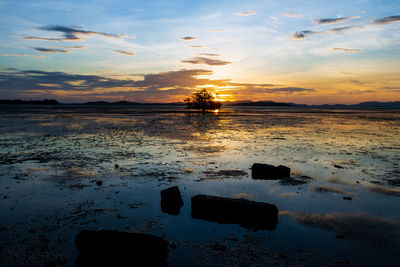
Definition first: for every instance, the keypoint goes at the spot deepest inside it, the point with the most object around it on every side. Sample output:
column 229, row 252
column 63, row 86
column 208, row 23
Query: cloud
column 289, row 90
column 20, row 55
column 304, row 34
column 333, row 21
column 206, row 61
column 341, row 29
column 351, row 225
column 387, row 20
column 51, row 50
column 188, row 38
column 171, row 85
column 292, row 15
column 215, row 30
column 124, row 52
column 208, row 54
column 346, row 50
column 76, row 47
column 197, row 46
column 70, row 33
column 31, row 80
column 245, row 14
column 9, row 55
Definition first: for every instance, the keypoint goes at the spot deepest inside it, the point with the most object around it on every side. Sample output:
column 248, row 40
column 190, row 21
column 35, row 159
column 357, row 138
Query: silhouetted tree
column 202, row 100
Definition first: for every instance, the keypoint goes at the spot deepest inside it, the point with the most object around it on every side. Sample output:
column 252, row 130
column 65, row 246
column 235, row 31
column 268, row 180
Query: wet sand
column 64, row 169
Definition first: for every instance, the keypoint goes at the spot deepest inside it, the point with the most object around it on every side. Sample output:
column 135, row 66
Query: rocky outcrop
column 171, row 200
column 266, row 171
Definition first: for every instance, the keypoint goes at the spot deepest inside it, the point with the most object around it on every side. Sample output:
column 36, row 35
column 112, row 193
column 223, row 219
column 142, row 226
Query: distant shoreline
column 271, row 104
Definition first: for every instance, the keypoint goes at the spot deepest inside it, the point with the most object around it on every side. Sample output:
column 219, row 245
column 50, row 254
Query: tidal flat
column 69, row 168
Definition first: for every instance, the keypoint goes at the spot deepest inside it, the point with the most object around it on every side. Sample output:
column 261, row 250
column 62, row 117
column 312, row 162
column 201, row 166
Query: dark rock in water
column 347, row 198
column 266, row 171
column 171, row 200
column 246, row 213
column 113, row 248
column 99, row 183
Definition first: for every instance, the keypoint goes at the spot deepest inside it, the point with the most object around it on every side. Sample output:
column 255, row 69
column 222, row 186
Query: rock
column 347, row 198
column 113, row 248
column 99, row 183
column 246, row 213
column 266, row 171
column 171, row 200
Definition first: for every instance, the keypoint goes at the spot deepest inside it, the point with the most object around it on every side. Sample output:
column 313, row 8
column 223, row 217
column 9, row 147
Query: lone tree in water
column 202, row 100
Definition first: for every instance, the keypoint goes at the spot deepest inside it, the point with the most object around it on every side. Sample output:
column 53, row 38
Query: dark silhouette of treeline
column 29, row 102
column 245, row 103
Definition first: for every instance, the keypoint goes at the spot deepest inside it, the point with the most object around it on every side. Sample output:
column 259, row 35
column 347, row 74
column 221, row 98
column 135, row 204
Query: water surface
column 342, row 207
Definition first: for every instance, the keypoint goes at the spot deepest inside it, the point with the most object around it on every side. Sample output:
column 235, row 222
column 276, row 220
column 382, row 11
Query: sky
column 305, row 52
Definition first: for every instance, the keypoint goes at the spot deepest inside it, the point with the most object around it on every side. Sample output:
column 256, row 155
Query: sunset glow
column 312, row 53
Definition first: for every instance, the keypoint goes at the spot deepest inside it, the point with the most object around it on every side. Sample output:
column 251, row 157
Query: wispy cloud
column 215, row 30
column 333, row 21
column 15, row 55
column 20, row 55
column 51, row 50
column 341, row 29
column 206, row 61
column 209, row 55
column 292, row 15
column 245, row 14
column 289, row 90
column 387, row 20
column 197, row 46
column 346, row 50
column 76, row 47
column 70, row 33
column 304, row 34
column 188, row 38
column 124, row 52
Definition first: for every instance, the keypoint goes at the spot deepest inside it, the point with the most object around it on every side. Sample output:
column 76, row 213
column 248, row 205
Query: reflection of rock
column 246, row 213
column 113, row 248
column 171, row 200
column 266, row 171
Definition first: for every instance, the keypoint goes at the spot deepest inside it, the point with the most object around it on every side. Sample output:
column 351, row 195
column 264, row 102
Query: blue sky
column 161, row 51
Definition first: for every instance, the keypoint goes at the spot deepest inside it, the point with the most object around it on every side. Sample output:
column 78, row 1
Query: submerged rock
column 113, row 248
column 246, row 213
column 171, row 200
column 266, row 171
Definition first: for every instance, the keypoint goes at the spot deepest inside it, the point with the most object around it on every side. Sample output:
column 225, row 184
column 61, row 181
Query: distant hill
column 29, row 102
column 122, row 103
column 243, row 103
column 372, row 104
column 258, row 104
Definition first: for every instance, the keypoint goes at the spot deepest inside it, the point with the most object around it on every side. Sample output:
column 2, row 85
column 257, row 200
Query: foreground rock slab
column 113, row 248
column 171, row 200
column 246, row 213
column 266, row 171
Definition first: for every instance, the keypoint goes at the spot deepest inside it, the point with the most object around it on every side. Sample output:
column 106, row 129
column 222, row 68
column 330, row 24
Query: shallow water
column 51, row 159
